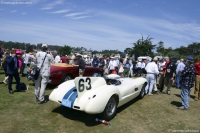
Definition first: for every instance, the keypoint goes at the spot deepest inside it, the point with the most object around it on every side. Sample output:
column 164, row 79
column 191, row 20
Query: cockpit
column 113, row 79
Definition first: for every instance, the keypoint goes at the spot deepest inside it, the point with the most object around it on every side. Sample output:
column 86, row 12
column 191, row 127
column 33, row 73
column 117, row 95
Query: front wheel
column 66, row 78
column 142, row 92
column 98, row 74
column 110, row 109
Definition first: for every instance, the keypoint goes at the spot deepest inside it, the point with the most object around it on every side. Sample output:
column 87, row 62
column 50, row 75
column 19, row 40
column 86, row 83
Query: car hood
column 60, row 66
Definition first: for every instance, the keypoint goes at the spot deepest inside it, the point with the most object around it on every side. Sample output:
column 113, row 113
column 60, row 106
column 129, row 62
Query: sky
column 100, row 24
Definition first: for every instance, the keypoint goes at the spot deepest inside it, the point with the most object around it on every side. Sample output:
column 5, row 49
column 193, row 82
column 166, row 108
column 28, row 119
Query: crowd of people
column 161, row 73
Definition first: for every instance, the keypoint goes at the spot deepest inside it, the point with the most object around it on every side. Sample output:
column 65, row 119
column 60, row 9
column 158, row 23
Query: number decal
column 88, row 80
column 82, row 86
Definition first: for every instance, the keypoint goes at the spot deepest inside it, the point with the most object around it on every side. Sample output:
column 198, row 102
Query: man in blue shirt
column 95, row 62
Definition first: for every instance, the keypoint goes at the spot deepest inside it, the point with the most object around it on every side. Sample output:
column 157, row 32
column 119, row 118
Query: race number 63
column 84, row 84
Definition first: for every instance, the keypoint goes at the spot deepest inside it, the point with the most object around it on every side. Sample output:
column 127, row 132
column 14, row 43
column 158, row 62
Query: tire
column 110, row 109
column 100, row 74
column 66, row 78
column 142, row 92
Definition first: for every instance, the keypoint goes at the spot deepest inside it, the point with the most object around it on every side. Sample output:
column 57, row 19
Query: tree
column 174, row 54
column 128, row 51
column 66, row 50
column 143, row 47
column 160, row 48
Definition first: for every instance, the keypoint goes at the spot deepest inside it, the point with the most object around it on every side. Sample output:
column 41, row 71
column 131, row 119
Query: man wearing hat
column 187, row 82
column 43, row 61
column 152, row 72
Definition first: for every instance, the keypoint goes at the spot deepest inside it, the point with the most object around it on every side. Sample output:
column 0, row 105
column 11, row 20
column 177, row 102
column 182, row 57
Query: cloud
column 56, row 3
column 24, row 13
column 60, row 11
column 156, row 28
column 13, row 11
column 51, row 5
column 81, row 17
column 46, row 8
column 74, row 14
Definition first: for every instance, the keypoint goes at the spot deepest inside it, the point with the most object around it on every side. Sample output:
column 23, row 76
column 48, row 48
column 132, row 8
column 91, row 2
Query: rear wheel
column 66, row 78
column 110, row 109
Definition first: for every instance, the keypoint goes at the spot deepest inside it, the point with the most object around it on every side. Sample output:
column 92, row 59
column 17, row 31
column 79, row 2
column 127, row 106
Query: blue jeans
column 178, row 78
column 150, row 82
column 185, row 96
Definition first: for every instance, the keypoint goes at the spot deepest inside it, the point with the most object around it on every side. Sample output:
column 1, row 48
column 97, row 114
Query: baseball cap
column 190, row 58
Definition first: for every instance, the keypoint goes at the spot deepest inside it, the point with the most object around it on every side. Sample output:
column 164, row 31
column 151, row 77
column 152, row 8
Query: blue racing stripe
column 69, row 93
column 69, row 98
column 72, row 98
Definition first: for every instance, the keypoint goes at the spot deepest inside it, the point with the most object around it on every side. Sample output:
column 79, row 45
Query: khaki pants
column 168, row 83
column 197, row 85
column 40, row 87
column 161, row 81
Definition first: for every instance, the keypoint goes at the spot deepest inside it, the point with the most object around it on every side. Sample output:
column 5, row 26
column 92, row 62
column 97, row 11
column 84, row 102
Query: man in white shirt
column 152, row 71
column 26, row 64
column 57, row 59
column 139, row 68
column 111, row 65
column 43, row 61
column 87, row 61
column 116, row 64
column 179, row 69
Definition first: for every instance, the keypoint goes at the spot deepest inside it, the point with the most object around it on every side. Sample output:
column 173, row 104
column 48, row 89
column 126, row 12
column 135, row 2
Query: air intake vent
column 76, row 107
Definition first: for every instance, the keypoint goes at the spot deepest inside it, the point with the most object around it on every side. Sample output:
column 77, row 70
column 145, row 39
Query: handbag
column 37, row 72
column 121, row 69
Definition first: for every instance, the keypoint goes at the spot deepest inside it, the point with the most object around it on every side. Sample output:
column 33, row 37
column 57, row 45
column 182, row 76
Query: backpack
column 22, row 86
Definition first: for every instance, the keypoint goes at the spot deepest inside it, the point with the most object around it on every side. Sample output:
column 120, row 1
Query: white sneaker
column 5, row 82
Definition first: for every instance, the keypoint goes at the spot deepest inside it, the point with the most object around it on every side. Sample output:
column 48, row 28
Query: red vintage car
column 61, row 72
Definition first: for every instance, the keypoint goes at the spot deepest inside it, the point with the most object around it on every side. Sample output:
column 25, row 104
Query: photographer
column 43, row 61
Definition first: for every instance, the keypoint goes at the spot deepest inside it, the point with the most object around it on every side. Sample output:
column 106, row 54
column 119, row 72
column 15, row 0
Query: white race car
column 98, row 95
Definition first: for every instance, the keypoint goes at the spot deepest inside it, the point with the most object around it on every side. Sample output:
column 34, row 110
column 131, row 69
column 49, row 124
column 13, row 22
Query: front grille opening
column 77, row 107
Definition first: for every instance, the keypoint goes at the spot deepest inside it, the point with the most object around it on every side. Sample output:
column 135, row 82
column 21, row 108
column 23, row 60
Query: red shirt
column 164, row 67
column 64, row 59
column 197, row 66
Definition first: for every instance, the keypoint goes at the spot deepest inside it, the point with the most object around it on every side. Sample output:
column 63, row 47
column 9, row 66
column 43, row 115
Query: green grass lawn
column 20, row 113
